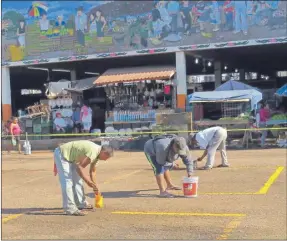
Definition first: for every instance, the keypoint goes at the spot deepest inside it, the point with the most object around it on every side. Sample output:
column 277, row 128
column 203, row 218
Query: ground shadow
column 33, row 211
column 128, row 194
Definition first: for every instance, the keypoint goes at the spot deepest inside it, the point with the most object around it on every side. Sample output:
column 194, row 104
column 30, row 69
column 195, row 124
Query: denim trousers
column 71, row 183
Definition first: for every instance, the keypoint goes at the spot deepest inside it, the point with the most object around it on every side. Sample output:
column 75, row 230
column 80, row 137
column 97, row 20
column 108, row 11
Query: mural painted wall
column 53, row 29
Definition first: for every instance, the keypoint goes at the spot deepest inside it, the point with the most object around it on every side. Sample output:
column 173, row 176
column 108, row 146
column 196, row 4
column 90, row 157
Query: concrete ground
column 245, row 201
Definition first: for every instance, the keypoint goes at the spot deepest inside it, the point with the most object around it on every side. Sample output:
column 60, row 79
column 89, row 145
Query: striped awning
column 121, row 75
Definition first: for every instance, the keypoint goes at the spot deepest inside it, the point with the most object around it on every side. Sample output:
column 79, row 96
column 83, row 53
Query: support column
column 73, row 75
column 241, row 74
column 181, row 79
column 218, row 73
column 6, row 94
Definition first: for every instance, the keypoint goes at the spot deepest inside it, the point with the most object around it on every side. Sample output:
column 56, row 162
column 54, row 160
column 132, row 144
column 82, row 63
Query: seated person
column 60, row 123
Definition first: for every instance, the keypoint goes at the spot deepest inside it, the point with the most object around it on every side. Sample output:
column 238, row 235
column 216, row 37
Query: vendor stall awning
column 224, row 96
column 120, row 75
column 282, row 91
column 234, row 85
column 83, row 84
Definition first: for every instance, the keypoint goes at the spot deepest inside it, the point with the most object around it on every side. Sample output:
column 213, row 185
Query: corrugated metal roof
column 120, row 75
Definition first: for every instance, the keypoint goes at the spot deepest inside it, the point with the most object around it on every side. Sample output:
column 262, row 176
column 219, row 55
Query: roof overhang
column 123, row 75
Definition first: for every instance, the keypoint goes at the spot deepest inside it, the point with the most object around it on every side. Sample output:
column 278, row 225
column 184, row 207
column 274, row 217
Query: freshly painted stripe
column 271, row 180
column 11, row 217
column 181, row 214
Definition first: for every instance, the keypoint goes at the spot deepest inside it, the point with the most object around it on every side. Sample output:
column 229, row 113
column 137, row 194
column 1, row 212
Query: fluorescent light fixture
column 61, row 70
column 92, row 73
column 225, row 67
column 35, row 68
column 236, row 70
column 196, row 61
column 209, row 63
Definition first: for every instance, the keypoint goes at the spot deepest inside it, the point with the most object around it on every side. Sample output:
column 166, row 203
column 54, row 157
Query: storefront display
column 136, row 105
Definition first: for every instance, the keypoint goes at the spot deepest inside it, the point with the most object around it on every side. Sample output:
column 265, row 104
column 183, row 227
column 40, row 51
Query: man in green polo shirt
column 71, row 158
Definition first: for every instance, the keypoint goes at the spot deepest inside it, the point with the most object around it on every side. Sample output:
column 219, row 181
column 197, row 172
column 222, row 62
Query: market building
column 129, row 60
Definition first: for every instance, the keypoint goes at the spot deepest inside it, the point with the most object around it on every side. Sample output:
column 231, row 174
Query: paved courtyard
column 245, row 201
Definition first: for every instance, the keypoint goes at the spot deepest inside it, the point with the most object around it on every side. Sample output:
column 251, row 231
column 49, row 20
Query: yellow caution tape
column 148, row 132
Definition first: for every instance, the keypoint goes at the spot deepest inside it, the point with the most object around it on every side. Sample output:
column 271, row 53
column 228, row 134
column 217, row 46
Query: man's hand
column 175, row 165
column 199, row 159
column 94, row 186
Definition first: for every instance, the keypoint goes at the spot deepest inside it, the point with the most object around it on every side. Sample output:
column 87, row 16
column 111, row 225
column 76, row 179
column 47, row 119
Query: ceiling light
column 209, row 63
column 236, row 70
column 92, row 73
column 225, row 67
column 196, row 61
column 61, row 70
column 35, row 68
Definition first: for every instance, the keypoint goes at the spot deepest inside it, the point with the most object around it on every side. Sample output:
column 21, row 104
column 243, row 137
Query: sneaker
column 166, row 195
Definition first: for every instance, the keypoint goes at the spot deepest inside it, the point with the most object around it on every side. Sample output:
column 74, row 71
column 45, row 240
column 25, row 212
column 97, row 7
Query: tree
column 14, row 16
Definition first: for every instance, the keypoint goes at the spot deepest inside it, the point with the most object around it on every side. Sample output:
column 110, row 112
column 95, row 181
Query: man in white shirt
column 211, row 139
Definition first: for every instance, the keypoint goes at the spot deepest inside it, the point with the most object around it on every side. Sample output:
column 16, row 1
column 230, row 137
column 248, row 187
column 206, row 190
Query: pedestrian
column 264, row 115
column 210, row 140
column 162, row 152
column 15, row 132
column 71, row 158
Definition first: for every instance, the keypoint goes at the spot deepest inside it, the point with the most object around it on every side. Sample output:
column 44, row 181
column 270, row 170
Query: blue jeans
column 240, row 19
column 71, row 184
column 264, row 133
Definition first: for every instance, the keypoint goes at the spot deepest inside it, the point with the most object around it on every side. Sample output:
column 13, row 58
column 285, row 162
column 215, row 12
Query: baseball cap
column 180, row 145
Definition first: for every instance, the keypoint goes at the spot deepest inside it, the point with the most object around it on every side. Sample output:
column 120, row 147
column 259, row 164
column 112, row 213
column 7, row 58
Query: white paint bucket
column 190, row 186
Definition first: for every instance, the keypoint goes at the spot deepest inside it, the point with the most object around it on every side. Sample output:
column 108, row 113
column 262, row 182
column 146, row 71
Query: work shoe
column 205, row 168
column 223, row 165
column 166, row 195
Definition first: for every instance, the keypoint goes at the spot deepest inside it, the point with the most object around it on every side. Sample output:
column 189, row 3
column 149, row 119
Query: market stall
column 279, row 118
column 137, row 95
column 230, row 109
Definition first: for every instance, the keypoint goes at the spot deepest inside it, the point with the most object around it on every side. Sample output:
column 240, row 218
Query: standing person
column 93, row 25
column 44, row 23
column 264, row 114
column 81, row 25
column 186, row 16
column 86, row 118
column 211, row 139
column 15, row 132
column 162, row 152
column 77, row 120
column 240, row 8
column 71, row 158
column 21, row 33
column 101, row 24
column 173, row 10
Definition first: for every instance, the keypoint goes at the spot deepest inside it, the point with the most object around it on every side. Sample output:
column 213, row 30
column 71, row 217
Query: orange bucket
column 190, row 186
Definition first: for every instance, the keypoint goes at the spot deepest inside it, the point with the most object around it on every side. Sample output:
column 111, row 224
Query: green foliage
column 14, row 16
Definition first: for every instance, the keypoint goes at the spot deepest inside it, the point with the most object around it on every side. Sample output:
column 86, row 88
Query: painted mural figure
column 21, row 33
column 173, row 10
column 185, row 12
column 44, row 23
column 60, row 24
column 81, row 25
column 93, row 25
column 105, row 26
column 240, row 8
column 100, row 25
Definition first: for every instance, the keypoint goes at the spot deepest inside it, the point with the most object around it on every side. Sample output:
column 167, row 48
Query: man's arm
column 203, row 155
column 80, row 166
column 93, row 176
column 187, row 162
